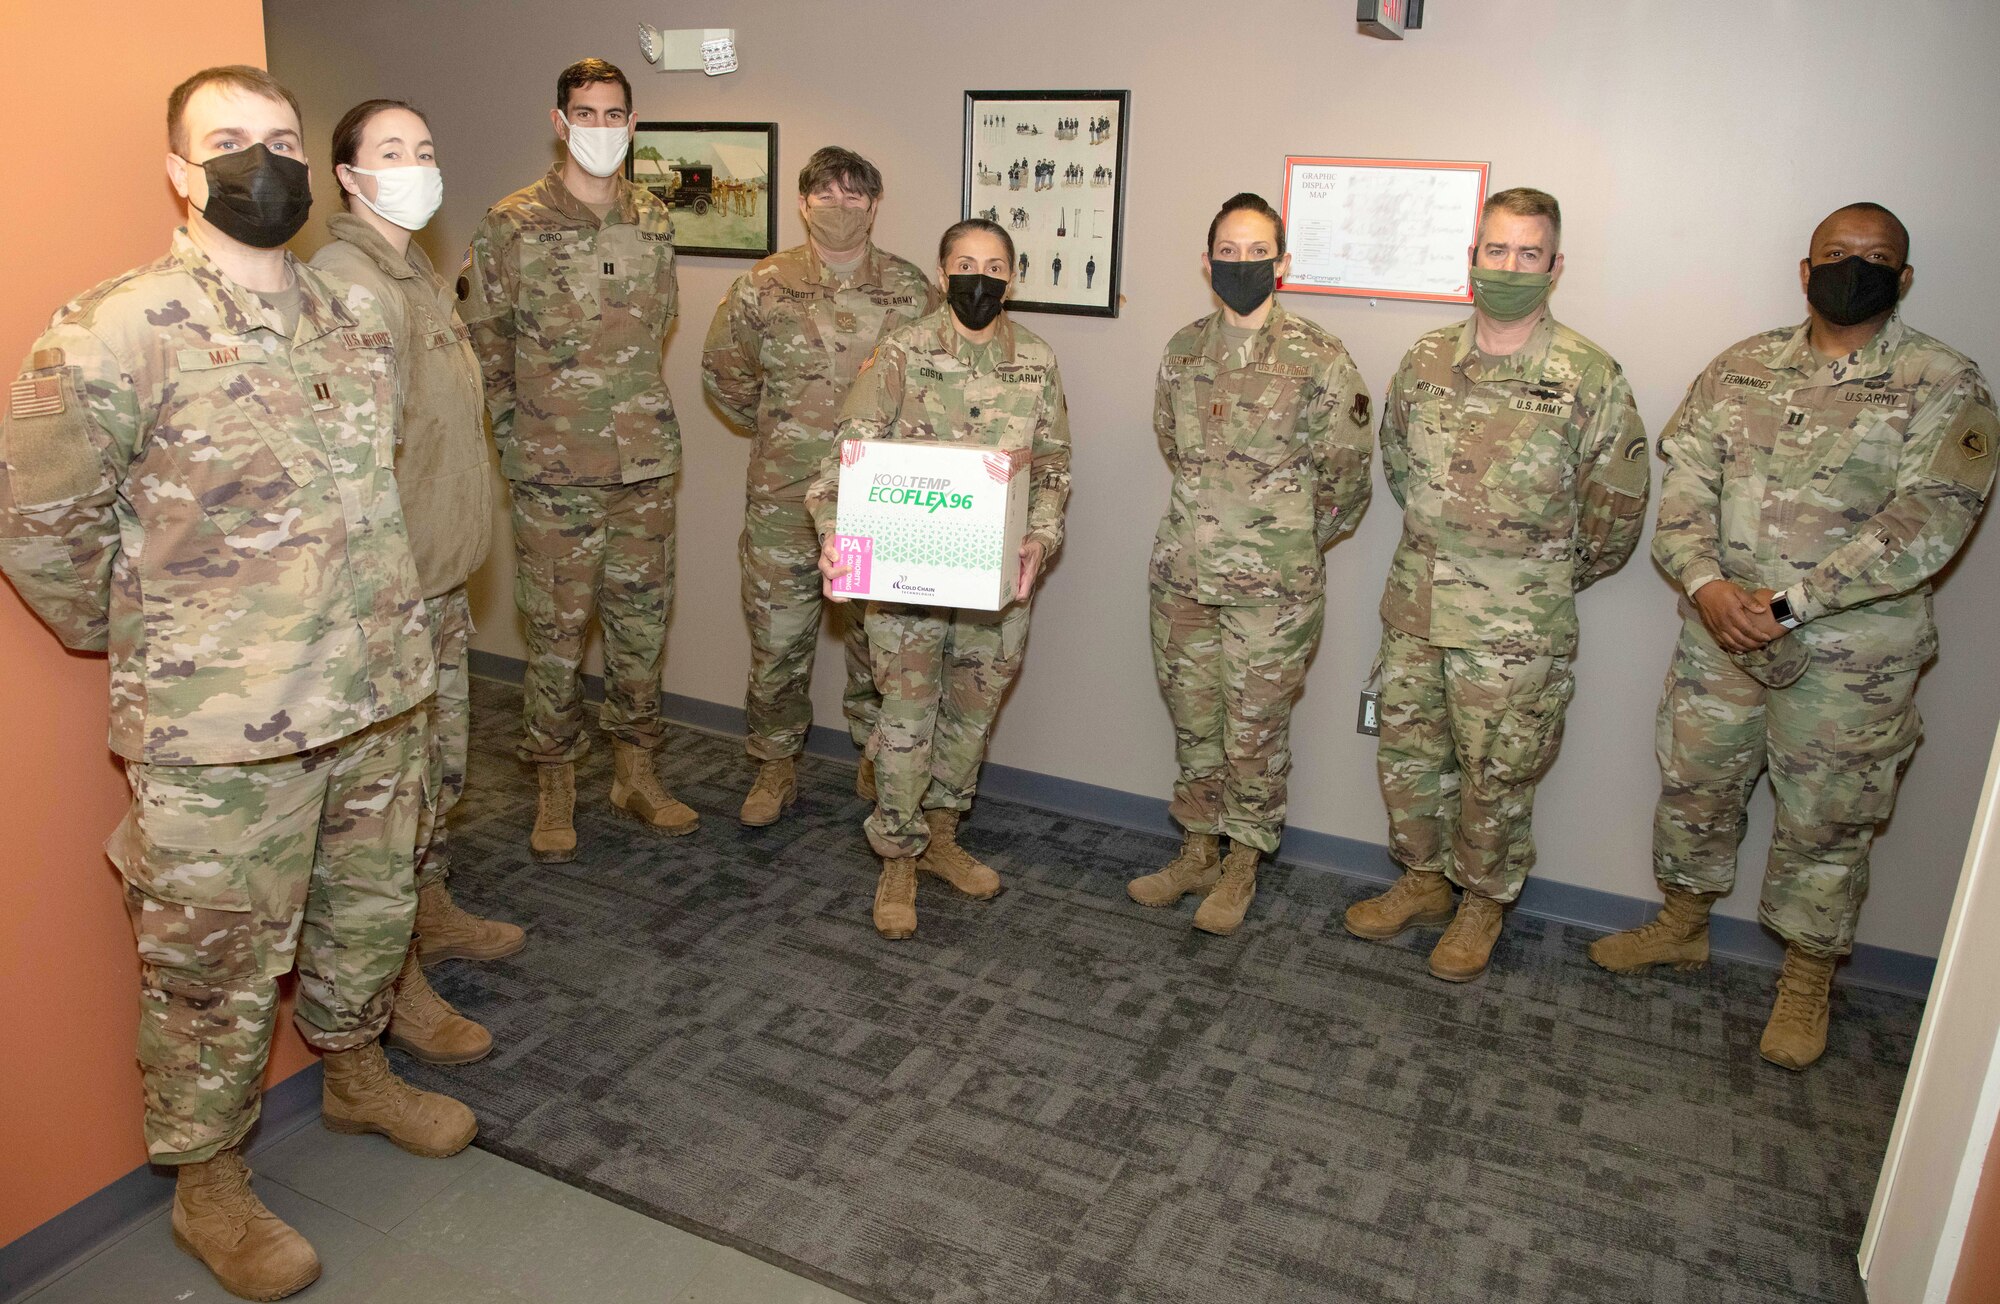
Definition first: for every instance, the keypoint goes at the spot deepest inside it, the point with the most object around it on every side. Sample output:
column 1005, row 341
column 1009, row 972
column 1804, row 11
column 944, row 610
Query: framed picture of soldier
column 1049, row 167
column 715, row 178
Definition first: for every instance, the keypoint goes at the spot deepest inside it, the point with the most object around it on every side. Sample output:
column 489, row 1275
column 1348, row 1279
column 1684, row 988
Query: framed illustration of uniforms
column 1049, row 167
column 715, row 179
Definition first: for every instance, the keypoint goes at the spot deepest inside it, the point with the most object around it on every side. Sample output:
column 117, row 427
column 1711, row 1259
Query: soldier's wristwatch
column 1781, row 611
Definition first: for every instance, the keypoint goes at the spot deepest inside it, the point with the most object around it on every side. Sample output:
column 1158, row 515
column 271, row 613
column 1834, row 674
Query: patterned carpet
column 1060, row 1096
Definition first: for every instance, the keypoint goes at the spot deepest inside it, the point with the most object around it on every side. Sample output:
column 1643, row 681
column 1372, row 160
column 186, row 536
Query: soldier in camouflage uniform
column 196, row 476
column 1516, row 452
column 570, row 290
column 1264, row 422
column 444, row 477
column 1818, row 477
column 966, row 374
column 785, row 345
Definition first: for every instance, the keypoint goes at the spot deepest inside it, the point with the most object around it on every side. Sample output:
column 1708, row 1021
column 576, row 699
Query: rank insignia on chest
column 845, row 321
column 1217, row 408
column 322, row 395
column 1795, row 416
column 610, row 268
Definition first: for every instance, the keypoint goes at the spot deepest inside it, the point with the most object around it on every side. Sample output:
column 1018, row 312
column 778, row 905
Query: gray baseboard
column 1905, row 972
column 94, row 1222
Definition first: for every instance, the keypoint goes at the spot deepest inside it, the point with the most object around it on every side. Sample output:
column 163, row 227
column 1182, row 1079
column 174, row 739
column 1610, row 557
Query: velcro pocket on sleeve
column 51, row 459
column 1966, row 456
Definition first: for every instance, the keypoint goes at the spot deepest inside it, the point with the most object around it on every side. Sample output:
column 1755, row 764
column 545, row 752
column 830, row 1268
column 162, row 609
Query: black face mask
column 1243, row 285
column 257, row 197
column 975, row 299
column 1851, row 290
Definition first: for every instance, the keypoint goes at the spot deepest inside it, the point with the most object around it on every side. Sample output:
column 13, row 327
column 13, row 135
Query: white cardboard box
column 934, row 524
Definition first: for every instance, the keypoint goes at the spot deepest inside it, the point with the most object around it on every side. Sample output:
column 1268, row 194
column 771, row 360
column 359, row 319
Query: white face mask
column 409, row 197
column 599, row 151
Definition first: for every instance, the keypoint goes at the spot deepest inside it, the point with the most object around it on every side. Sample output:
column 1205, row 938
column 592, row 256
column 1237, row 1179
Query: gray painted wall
column 1693, row 146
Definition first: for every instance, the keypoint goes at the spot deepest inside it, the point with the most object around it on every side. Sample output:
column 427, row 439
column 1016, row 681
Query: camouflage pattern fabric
column 1231, row 674
column 1467, row 734
column 782, row 600
column 233, row 874
column 569, row 314
column 1836, row 743
column 926, row 381
column 165, row 408
column 942, row 673
column 784, row 347
column 447, row 726
column 1269, row 456
column 1847, row 483
column 1522, row 480
column 579, row 550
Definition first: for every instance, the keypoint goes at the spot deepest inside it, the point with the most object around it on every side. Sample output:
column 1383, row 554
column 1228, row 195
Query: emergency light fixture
column 1389, row 19
column 689, row 49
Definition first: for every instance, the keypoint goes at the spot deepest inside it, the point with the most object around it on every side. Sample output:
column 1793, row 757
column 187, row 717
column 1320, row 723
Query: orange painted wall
column 1978, row 1278
column 86, row 199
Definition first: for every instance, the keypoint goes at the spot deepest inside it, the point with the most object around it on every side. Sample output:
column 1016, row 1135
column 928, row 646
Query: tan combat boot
column 953, row 863
column 424, row 1024
column 1461, row 954
column 864, row 779
column 636, row 792
column 554, row 840
column 1796, row 1034
column 362, row 1095
column 219, row 1220
column 1420, row 898
column 777, row 787
column 1679, row 937
column 896, row 898
column 1221, row 911
column 445, row 932
column 1197, row 869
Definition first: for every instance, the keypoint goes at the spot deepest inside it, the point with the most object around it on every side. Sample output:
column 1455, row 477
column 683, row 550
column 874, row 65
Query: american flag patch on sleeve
column 37, row 396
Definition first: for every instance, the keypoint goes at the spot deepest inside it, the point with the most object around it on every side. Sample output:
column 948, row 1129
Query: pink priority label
column 857, row 553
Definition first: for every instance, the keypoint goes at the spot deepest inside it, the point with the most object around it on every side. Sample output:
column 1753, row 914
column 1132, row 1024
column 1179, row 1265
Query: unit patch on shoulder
column 1965, row 455
column 1359, row 411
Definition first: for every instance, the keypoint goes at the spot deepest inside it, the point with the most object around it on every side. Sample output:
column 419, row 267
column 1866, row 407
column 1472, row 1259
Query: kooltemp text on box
column 934, row 524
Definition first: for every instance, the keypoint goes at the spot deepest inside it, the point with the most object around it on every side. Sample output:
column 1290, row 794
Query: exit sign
column 1389, row 19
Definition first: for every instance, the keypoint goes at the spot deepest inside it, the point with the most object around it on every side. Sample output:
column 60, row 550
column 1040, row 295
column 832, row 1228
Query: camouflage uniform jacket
column 786, row 344
column 443, row 471
column 216, row 504
column 1522, row 480
column 1270, row 460
column 926, row 381
column 570, row 318
column 1845, row 483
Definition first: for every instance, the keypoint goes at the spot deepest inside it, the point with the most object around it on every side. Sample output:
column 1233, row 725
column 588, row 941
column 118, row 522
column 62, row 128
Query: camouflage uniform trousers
column 942, row 673
column 1467, row 733
column 1836, row 743
column 1230, row 675
column 447, row 731
column 235, row 872
column 782, row 600
column 607, row 549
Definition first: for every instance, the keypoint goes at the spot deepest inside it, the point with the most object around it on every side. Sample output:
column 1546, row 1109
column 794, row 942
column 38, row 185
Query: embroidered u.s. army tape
column 1548, row 407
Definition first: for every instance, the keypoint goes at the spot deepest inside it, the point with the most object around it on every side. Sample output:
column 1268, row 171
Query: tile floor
column 474, row 1229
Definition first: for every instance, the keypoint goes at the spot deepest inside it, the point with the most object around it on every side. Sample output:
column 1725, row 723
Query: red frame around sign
column 1483, row 169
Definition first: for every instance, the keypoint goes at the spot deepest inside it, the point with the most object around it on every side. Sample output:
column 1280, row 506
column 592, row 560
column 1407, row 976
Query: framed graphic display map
column 1049, row 167
column 1382, row 228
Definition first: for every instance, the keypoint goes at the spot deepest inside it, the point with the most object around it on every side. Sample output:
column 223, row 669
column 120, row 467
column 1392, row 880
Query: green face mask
column 1509, row 296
